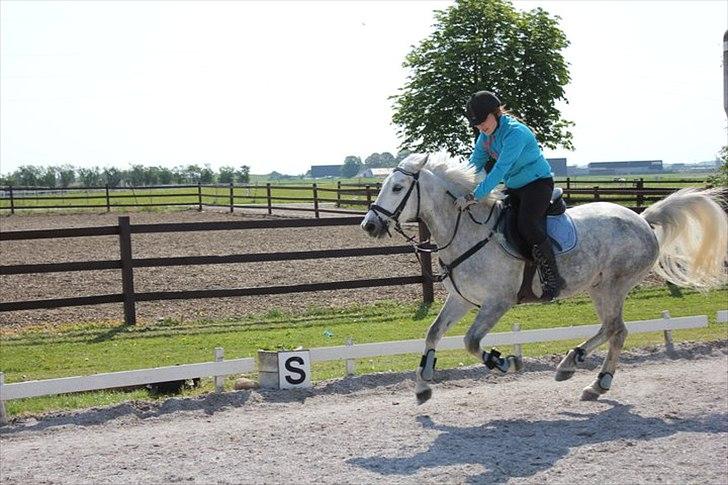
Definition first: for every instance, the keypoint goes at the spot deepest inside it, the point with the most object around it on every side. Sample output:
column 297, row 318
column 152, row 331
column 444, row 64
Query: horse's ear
column 422, row 160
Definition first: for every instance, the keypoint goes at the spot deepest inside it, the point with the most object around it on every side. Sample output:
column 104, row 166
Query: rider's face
column 488, row 125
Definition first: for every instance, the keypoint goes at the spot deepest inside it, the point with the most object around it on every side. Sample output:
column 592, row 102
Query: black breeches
column 531, row 202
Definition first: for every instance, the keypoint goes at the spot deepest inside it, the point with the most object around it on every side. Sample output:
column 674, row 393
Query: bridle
column 378, row 209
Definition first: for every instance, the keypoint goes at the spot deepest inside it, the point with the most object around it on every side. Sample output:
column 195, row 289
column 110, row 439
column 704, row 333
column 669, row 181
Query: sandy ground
column 665, row 421
column 59, row 285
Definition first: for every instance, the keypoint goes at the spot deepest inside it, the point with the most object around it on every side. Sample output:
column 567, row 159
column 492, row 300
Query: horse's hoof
column 424, row 396
column 563, row 375
column 589, row 394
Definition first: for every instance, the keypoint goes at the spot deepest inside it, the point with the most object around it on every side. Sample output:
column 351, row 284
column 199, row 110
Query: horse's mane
column 461, row 176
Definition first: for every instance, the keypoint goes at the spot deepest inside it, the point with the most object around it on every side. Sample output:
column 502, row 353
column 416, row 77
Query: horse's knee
column 619, row 336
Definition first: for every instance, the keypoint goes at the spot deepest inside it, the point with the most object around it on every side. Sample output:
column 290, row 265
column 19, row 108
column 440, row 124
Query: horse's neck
column 441, row 216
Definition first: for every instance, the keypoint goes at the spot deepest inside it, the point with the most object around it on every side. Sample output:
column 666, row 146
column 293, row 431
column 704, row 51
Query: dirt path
column 665, row 421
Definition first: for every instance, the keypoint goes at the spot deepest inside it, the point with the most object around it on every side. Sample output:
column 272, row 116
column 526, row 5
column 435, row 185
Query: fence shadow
column 518, row 448
column 209, row 404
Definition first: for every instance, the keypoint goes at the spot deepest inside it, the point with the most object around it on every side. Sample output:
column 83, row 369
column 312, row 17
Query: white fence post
column 219, row 380
column 517, row 348
column 3, row 414
column 721, row 316
column 668, row 333
column 350, row 363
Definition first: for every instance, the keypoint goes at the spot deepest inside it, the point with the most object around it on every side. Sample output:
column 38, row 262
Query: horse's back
column 612, row 240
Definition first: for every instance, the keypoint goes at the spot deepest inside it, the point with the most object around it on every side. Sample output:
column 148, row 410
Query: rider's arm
column 513, row 145
column 478, row 157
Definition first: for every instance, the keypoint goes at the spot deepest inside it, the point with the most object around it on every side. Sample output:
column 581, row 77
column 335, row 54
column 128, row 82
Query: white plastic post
column 517, row 348
column 350, row 364
column 668, row 333
column 3, row 414
column 219, row 380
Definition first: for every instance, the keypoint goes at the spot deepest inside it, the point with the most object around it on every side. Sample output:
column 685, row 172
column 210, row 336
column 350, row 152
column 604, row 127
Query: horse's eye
column 396, row 188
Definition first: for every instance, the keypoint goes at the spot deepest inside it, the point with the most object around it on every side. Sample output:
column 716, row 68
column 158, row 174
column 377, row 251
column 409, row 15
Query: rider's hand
column 465, row 201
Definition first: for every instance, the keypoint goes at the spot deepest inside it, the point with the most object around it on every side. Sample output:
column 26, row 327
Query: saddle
column 560, row 230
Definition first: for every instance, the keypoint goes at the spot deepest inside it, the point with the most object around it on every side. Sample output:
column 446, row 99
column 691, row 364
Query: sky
column 286, row 85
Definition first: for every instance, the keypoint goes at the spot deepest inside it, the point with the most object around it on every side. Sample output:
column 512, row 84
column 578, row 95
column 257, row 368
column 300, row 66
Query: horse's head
column 399, row 199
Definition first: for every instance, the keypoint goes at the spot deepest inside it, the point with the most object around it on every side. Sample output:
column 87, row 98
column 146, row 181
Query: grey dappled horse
column 683, row 238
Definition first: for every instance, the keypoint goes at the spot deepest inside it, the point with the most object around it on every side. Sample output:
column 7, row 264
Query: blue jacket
column 519, row 159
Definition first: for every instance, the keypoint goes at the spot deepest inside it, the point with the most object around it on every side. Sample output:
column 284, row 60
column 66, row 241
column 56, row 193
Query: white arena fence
column 220, row 368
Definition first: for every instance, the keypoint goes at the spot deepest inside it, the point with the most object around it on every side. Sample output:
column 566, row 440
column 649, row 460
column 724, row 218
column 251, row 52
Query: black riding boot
column 551, row 281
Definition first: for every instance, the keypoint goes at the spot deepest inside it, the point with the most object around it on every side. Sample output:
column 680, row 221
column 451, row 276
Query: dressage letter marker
column 294, row 369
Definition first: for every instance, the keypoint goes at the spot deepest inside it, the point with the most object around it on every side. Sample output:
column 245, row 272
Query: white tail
column 692, row 229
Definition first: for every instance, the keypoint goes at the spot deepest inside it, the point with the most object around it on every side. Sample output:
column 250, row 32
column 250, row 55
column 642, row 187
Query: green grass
column 88, row 348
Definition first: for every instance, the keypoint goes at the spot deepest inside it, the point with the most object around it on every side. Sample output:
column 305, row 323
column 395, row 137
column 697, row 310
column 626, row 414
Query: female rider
column 519, row 162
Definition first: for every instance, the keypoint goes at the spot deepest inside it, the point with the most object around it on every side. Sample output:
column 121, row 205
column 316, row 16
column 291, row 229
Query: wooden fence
column 343, row 199
column 127, row 263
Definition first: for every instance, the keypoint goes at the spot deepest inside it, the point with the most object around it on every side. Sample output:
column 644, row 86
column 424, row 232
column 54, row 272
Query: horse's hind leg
column 452, row 311
column 603, row 382
column 609, row 302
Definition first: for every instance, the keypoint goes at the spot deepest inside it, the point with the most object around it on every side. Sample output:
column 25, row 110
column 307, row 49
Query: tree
column 207, row 176
column 351, row 166
column 720, row 179
column 67, row 175
column 243, row 174
column 49, row 177
column 477, row 45
column 226, row 175
column 112, row 176
column 89, row 177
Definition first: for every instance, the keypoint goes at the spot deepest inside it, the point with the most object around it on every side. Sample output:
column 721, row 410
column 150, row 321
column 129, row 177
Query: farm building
column 623, row 168
column 319, row 171
column 558, row 166
column 374, row 172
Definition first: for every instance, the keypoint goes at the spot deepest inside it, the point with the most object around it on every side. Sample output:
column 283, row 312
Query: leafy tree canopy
column 483, row 45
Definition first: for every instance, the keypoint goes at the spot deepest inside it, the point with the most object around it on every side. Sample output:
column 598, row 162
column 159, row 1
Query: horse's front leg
column 452, row 311
column 486, row 318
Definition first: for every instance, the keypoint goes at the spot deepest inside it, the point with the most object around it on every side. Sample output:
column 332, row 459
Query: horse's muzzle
column 373, row 225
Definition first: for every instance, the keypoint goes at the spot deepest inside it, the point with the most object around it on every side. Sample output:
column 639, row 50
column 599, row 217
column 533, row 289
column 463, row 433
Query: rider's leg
column 535, row 198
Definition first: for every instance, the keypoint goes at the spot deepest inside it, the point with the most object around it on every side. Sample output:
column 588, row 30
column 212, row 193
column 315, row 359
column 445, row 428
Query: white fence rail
column 346, row 352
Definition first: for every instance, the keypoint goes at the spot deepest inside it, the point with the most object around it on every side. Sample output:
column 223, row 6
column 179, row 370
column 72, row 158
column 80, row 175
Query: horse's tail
column 692, row 230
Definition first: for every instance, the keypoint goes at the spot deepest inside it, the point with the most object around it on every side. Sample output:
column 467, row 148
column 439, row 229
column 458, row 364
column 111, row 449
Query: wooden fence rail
column 127, row 263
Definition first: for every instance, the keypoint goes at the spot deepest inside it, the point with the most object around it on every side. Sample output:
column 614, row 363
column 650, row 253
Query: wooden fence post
column 428, row 291
column 108, row 200
column 596, row 192
column 640, row 196
column 232, row 197
column 199, row 196
column 338, row 194
column 12, row 202
column 369, row 196
column 568, row 191
column 267, row 194
column 315, row 201
column 127, row 270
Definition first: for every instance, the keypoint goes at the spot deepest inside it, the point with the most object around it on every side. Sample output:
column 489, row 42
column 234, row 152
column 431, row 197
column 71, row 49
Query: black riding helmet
column 480, row 105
